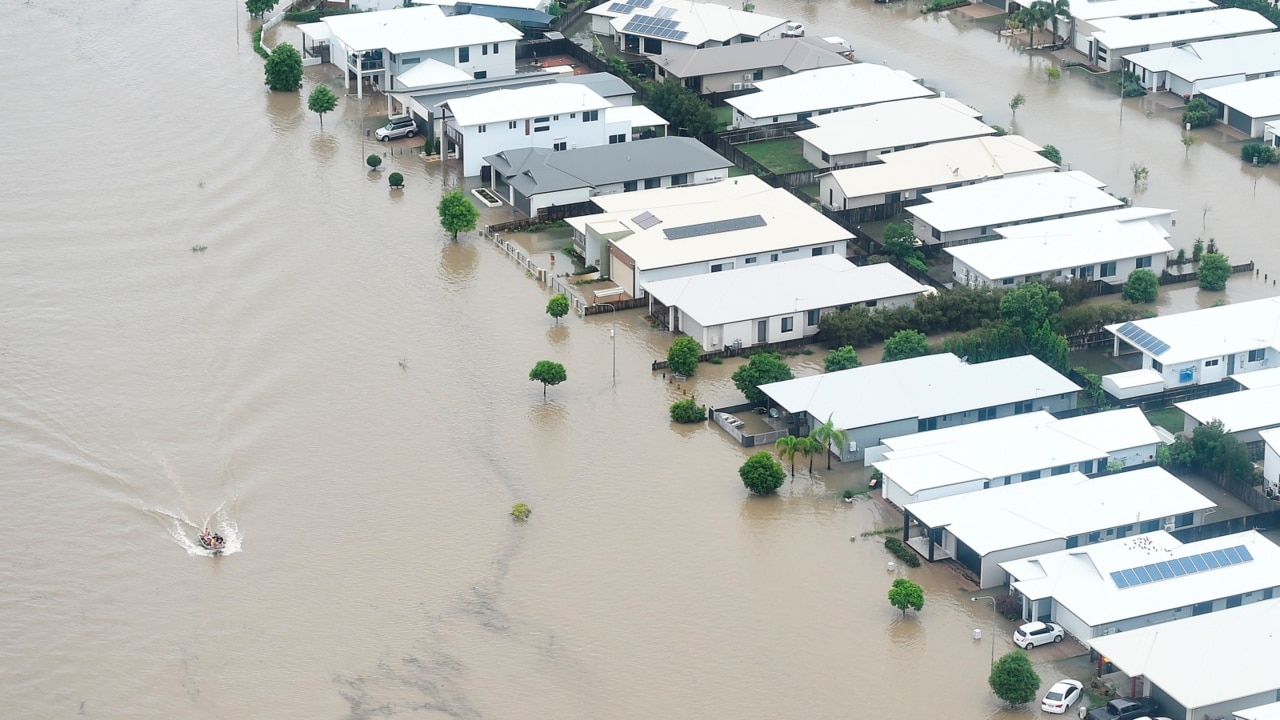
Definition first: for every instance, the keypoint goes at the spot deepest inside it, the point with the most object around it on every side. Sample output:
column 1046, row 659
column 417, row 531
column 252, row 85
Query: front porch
column 932, row 552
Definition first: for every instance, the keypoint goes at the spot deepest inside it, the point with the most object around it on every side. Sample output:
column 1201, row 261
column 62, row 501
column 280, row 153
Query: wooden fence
column 631, row 304
column 1168, row 278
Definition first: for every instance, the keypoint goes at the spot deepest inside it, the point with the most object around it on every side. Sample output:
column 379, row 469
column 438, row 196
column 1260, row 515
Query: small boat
column 212, row 541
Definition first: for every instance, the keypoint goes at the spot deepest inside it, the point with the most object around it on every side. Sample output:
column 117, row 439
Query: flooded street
column 343, row 392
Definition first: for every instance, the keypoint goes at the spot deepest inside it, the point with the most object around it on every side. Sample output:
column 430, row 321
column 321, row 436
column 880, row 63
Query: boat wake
column 187, row 533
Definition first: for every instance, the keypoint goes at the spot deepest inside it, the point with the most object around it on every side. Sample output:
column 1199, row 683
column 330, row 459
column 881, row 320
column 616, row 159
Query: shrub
column 1259, row 153
column 1213, row 272
column 842, row 358
column 761, row 473
column 682, row 356
column 373, row 161
column 1142, row 286
column 905, row 344
column 1051, row 153
column 1197, row 114
column 520, row 511
column 396, row 180
column 688, row 411
column 903, row 553
column 906, row 594
column 761, row 369
column 1013, row 680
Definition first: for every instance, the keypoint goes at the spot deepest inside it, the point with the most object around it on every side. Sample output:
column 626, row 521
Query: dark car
column 1124, row 709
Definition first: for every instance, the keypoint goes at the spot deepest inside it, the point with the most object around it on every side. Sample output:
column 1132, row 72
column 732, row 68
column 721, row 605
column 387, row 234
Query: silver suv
column 397, row 127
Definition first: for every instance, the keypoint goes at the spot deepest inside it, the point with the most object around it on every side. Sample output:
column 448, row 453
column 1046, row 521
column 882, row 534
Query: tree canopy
column 322, row 100
column 1213, row 271
column 761, row 474
column 1029, row 307
column 1051, row 153
column 258, row 8
column 457, row 213
column 842, row 358
column 548, row 373
column 787, row 447
column 906, row 594
column 1142, row 286
column 761, row 369
column 905, row 344
column 558, row 306
column 682, row 356
column 284, row 68
column 681, row 107
column 827, row 434
column 1013, row 680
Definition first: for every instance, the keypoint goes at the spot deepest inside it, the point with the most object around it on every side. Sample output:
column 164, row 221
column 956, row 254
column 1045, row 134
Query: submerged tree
column 827, row 434
column 284, row 68
column 457, row 214
column 1013, row 680
column 558, row 306
column 761, row 474
column 548, row 373
column 906, row 594
column 322, row 100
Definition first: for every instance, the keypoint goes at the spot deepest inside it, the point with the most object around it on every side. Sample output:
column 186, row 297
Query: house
column 1125, row 585
column 850, row 138
column 1133, row 383
column 1103, row 246
column 819, row 92
column 773, row 302
column 983, row 529
column 900, row 179
column 1244, row 414
column 1193, row 68
column 459, row 7
column 1028, row 445
column 1270, row 462
column 379, row 46
column 1108, row 40
column 558, row 116
column 974, row 212
column 1247, row 106
column 732, row 68
column 890, row 400
column 1087, row 11
column 655, row 27
column 1204, row 346
column 533, row 178
column 678, row 232
column 1212, row 666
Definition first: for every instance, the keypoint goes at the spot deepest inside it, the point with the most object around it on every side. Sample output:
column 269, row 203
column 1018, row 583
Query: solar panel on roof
column 621, row 8
column 646, row 220
column 1177, row 567
column 1245, row 556
column 715, row 227
column 1141, row 338
column 665, row 12
column 1119, row 580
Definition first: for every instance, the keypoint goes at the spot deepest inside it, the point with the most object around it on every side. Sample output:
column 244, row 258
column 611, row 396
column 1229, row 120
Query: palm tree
column 825, row 435
column 1034, row 17
column 809, row 447
column 1060, row 10
column 787, row 447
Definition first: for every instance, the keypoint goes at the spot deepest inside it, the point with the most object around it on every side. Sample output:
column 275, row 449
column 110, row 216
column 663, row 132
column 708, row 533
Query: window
column 826, row 157
column 1033, row 475
column 1073, row 541
column 720, row 267
column 1185, row 519
column 758, row 74
column 619, row 138
column 1006, row 281
column 481, row 74
column 788, row 324
column 1086, row 467
column 651, row 183
column 573, row 116
column 1235, row 601
column 484, row 49
column 1157, row 366
column 464, row 54
column 1061, row 470
column 1144, row 262
column 1267, row 595
column 927, row 424
column 987, row 413
column 812, row 317
column 1108, row 269
column 555, row 117
column 937, row 235
column 750, row 261
column 1257, row 355
column 560, row 146
column 481, row 128
column 1210, row 363
column 1095, row 537
column 629, row 186
column 1149, row 526
column 680, row 179
column 410, row 61
column 773, row 257
column 775, row 118
column 1020, row 408
column 871, row 303
column 542, row 119
column 495, row 48
column 590, row 115
column 511, row 125
column 541, row 128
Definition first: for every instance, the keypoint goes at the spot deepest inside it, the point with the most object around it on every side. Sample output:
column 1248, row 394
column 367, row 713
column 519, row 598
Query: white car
column 1062, row 696
column 1038, row 633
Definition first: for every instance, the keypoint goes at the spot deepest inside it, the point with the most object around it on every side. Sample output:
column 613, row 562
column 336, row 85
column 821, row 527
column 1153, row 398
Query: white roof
column 1010, row 446
column 1247, row 55
column 1079, row 579
column 700, row 21
column 1014, row 516
column 525, row 102
column 1256, row 379
column 1068, row 243
column 1009, row 200
column 1256, row 98
column 1208, row 659
column 1271, row 437
column 1211, row 332
column 778, row 288
column 921, row 387
column 1238, row 411
column 522, row 4
column 431, row 72
column 1119, row 33
column 618, row 203
column 1135, row 378
column 637, row 116
column 941, row 164
column 842, row 86
column 887, row 125
column 1270, row 711
column 1095, row 9
column 414, row 29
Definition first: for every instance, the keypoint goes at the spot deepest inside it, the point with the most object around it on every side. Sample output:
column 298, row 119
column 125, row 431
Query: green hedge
column 904, row 553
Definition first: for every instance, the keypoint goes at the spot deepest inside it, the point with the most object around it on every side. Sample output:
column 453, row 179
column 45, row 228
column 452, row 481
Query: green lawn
column 780, row 156
column 1169, row 418
column 724, row 116
column 1095, row 361
column 735, row 171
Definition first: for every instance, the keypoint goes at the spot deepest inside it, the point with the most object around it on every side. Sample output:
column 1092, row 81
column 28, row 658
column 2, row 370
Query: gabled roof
column 1094, row 9
column 771, row 289
column 892, row 124
column 606, row 85
column 430, row 73
column 940, row 164
column 526, row 102
column 1118, row 32
column 794, row 54
column 1211, row 332
column 1186, row 659
column 413, row 29
column 528, row 17
column 1080, row 580
column 922, row 387
column 844, row 86
column 1010, row 200
column 691, row 23
column 1247, row 55
column 1270, row 711
column 1258, row 379
column 1014, row 516
column 1068, row 243
column 1239, row 411
column 1256, row 98
column 540, row 170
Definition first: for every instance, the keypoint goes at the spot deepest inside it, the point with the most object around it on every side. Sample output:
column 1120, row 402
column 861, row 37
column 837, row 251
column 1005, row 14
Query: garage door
column 1239, row 121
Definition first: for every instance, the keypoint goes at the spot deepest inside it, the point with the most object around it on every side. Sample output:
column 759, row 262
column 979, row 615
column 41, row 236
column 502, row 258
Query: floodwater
column 342, row 391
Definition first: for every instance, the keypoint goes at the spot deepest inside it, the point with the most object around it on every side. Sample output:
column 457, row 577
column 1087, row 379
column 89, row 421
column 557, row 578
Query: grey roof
column 538, row 170
column 794, row 54
column 606, row 85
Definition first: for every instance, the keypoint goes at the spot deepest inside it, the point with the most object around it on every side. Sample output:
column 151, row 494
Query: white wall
column 699, row 268
column 1270, row 466
column 993, row 576
column 483, row 58
column 696, row 178
column 495, row 137
column 560, row 197
column 1172, row 374
column 967, row 275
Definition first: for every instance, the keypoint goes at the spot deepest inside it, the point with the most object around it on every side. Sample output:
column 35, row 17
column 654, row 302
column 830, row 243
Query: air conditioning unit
column 1169, row 527
column 853, row 446
column 748, row 77
column 737, row 86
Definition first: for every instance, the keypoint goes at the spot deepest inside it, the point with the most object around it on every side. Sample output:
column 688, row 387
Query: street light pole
column 613, row 333
column 993, row 624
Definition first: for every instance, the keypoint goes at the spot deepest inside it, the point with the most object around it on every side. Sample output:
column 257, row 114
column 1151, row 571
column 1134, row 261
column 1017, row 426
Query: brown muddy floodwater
column 343, row 392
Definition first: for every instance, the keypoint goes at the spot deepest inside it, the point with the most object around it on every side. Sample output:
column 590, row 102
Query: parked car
column 1124, row 709
column 1062, row 696
column 793, row 30
column 1038, row 633
column 397, row 127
